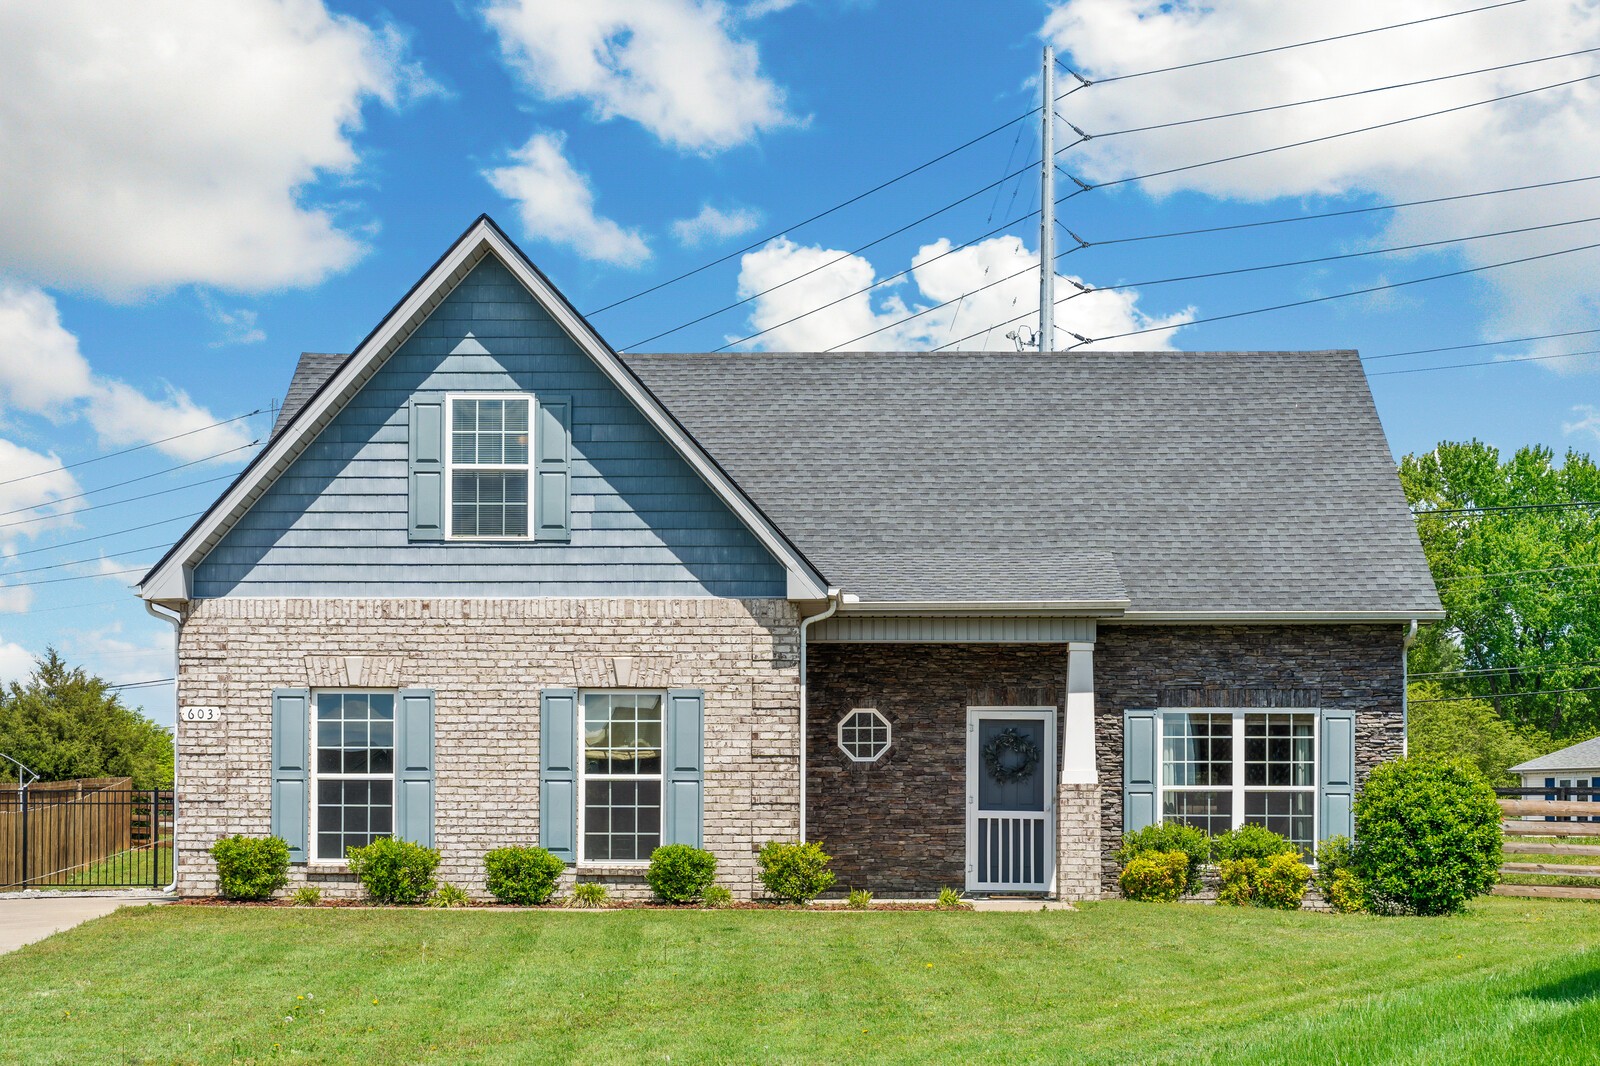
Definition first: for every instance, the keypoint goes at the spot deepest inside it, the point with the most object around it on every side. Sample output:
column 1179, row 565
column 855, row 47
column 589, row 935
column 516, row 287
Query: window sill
column 638, row 867
column 326, row 866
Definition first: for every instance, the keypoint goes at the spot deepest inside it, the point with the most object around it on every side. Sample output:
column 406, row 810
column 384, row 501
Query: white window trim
column 1238, row 788
column 313, row 747
column 450, row 464
column 583, row 862
column 888, row 734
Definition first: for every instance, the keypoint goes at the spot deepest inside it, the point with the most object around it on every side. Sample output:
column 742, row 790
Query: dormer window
column 489, row 467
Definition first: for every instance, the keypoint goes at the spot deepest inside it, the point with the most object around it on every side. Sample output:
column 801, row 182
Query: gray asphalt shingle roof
column 1581, row 756
column 313, row 369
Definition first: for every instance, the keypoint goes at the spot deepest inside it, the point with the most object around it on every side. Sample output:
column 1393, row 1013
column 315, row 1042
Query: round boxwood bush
column 1249, row 842
column 1168, row 837
column 1155, row 876
column 679, row 873
column 250, row 867
column 394, row 870
column 1427, row 836
column 525, row 876
column 797, row 873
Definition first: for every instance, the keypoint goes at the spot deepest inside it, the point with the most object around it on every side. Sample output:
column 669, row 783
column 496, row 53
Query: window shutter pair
column 550, row 493
column 291, row 768
column 683, row 785
column 1336, row 763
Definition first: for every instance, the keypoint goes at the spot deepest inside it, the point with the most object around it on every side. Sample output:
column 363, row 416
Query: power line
column 819, row 215
column 823, row 266
column 144, row 684
column 77, row 577
column 1540, row 669
column 1508, row 695
column 114, row 503
column 136, row 448
column 78, row 562
column 1485, row 362
column 63, row 607
column 129, row 481
column 1481, row 344
column 1298, row 44
column 106, row 536
column 1567, row 506
column 1514, row 573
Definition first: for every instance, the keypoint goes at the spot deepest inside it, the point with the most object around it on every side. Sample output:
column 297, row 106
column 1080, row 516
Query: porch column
column 1078, row 858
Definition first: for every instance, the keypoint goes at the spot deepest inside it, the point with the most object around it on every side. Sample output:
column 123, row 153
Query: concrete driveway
column 26, row 919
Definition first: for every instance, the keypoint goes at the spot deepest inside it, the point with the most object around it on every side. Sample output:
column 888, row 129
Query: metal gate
column 85, row 837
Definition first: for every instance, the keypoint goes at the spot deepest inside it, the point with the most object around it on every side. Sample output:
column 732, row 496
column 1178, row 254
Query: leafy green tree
column 65, row 724
column 1466, row 730
column 1521, row 588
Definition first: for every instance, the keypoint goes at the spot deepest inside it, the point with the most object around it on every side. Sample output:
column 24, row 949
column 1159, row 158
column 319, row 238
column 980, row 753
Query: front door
column 1011, row 757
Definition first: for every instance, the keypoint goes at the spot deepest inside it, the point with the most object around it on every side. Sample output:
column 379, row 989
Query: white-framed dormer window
column 620, row 776
column 864, row 735
column 488, row 466
column 1221, row 769
column 352, row 771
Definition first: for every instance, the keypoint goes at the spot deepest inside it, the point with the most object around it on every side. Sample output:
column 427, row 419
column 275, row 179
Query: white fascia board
column 1245, row 617
column 1098, row 608
column 481, row 239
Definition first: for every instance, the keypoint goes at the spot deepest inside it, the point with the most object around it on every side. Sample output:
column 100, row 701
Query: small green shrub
column 1345, row 892
column 306, row 896
column 1427, row 837
column 950, row 899
column 589, row 894
column 448, row 895
column 394, row 870
column 1278, row 881
column 716, row 897
column 1250, row 842
column 1238, row 882
column 1155, row 876
column 679, row 873
column 795, row 872
column 251, row 867
column 859, row 900
column 1167, row 837
column 525, row 876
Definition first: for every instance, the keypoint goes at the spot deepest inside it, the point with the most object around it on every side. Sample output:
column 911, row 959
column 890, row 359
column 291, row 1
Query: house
column 965, row 618
column 1577, row 766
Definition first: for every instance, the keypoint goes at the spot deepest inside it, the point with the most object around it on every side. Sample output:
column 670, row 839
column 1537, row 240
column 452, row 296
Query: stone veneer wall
column 486, row 661
column 1344, row 666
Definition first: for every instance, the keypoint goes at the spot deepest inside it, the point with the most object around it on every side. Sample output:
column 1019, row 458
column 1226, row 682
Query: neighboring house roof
column 1211, row 484
column 1581, row 756
column 310, row 373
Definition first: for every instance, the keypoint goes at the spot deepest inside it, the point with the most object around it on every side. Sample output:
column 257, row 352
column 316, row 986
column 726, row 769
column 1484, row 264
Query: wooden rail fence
column 1555, row 817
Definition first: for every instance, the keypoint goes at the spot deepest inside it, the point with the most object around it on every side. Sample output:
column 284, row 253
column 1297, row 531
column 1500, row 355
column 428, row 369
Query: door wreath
column 1010, row 756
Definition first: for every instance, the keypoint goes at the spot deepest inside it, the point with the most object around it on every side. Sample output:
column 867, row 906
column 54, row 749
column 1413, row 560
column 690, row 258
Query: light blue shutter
column 291, row 765
column 683, row 802
column 1140, row 765
column 413, row 786
column 1336, row 787
column 425, row 458
column 558, row 772
column 552, row 468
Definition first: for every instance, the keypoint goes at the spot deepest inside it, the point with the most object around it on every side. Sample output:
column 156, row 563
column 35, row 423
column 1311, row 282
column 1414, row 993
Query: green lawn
column 1510, row 981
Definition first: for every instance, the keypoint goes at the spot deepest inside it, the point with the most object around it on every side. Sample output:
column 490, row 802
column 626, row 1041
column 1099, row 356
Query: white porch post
column 1078, row 869
column 1077, row 748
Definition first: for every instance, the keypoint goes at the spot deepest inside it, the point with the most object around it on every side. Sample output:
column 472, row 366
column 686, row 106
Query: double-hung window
column 1222, row 769
column 489, row 467
column 621, row 759
column 353, row 772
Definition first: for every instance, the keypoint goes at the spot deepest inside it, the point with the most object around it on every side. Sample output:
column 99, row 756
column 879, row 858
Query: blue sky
column 191, row 197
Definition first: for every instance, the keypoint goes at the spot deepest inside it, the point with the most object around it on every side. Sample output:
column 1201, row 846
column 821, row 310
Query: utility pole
column 1047, row 204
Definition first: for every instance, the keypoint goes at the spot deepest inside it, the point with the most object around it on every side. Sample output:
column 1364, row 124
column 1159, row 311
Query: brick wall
column 486, row 661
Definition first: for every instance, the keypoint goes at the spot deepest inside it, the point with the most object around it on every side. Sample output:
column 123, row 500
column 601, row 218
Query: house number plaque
column 200, row 714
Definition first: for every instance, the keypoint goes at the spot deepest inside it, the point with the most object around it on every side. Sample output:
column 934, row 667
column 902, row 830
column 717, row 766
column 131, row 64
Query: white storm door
column 1011, row 767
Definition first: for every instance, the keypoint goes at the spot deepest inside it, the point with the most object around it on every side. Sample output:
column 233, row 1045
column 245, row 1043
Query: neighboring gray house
column 963, row 617
column 1577, row 766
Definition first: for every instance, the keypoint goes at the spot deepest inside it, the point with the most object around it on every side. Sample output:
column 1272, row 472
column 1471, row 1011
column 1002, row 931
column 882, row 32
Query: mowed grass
column 1511, row 981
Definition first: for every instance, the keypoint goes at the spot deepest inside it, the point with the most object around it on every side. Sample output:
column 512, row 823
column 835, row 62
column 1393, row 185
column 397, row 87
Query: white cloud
column 1540, row 137
column 1004, row 264
column 712, row 224
column 556, row 204
column 673, row 66
column 34, row 485
column 1589, row 423
column 148, row 145
column 16, row 662
column 43, row 372
column 238, row 326
column 761, row 8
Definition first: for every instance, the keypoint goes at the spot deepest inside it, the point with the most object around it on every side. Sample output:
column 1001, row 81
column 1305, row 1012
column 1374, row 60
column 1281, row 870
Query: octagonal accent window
column 864, row 735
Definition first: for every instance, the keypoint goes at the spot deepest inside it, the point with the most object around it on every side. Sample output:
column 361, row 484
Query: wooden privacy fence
column 79, row 834
column 1562, row 813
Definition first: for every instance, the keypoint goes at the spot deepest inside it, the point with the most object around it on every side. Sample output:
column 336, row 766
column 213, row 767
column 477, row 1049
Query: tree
column 1521, row 587
column 65, row 724
column 1464, row 730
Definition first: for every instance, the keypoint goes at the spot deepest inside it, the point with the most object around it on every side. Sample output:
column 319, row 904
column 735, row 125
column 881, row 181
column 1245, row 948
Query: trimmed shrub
column 1345, row 893
column 394, row 870
column 306, row 896
column 251, row 867
column 795, row 872
column 448, row 895
column 950, row 899
column 1238, row 882
column 589, row 894
column 1250, row 842
column 1427, row 837
column 860, row 899
column 525, row 876
column 716, row 897
column 1166, row 837
column 1278, row 881
column 679, row 873
column 1155, row 876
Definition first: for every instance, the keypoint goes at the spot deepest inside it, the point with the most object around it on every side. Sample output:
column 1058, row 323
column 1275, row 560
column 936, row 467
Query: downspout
column 177, row 630
column 835, row 597
column 1405, row 689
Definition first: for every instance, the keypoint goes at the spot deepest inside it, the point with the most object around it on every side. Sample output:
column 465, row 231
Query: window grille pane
column 864, row 735
column 1209, row 812
column 489, row 504
column 622, row 734
column 354, row 735
column 1196, row 749
column 622, row 819
column 1288, row 814
column 1279, row 750
column 351, row 814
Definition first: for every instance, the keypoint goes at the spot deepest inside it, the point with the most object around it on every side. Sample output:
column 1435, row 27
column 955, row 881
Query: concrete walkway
column 24, row 920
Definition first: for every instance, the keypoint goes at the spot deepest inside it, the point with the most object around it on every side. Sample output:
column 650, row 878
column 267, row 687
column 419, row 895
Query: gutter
column 1405, row 689
column 177, row 630
column 835, row 598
